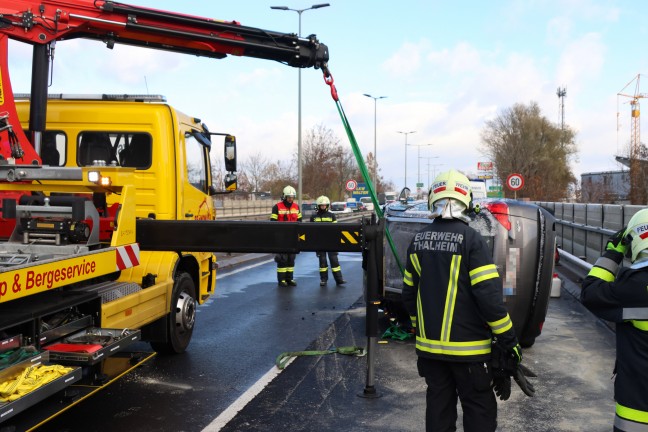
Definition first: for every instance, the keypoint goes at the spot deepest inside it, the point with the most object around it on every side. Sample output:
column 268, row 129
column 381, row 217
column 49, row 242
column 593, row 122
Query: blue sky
column 445, row 67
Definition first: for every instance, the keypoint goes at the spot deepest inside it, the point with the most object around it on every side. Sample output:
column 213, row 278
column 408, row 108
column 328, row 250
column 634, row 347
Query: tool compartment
column 56, row 333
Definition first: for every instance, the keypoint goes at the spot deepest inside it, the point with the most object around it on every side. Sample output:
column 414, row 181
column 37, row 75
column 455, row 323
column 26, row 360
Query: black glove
column 502, row 384
column 522, row 382
column 506, row 362
column 617, row 244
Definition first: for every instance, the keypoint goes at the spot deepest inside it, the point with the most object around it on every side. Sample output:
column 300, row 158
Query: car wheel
column 182, row 317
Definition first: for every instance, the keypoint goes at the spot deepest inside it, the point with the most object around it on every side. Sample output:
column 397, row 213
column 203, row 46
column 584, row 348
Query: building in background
column 610, row 187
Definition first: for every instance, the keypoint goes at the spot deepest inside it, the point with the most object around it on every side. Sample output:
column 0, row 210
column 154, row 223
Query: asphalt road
column 572, row 360
column 239, row 333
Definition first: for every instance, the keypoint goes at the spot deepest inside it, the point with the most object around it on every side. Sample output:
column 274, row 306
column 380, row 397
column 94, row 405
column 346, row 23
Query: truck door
column 196, row 204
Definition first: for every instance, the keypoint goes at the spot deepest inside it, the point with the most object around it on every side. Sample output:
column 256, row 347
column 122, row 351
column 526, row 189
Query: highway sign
column 351, row 185
column 515, row 181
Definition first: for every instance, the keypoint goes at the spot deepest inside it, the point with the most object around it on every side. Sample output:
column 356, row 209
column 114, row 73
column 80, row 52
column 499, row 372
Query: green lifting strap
column 283, row 358
column 328, row 79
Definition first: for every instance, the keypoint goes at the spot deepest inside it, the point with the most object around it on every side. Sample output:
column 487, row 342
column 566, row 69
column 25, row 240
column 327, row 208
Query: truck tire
column 182, row 317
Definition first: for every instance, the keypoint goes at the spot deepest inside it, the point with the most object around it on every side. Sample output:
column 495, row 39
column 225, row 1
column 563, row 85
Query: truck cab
column 169, row 156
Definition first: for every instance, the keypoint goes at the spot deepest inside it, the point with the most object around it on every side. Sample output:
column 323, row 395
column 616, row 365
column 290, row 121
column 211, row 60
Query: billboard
column 485, row 166
column 360, row 191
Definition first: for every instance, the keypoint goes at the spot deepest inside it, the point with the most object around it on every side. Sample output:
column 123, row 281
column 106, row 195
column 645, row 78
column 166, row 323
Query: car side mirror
column 404, row 194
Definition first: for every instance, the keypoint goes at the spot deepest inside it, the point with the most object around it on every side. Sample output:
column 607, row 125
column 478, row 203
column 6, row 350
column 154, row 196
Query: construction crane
column 637, row 171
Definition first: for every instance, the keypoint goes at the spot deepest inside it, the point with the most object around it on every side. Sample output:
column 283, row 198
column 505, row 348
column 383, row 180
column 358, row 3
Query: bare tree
column 521, row 140
column 280, row 175
column 256, row 168
column 327, row 164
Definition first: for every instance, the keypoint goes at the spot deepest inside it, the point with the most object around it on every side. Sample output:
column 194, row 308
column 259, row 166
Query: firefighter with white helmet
column 286, row 210
column 453, row 293
column 324, row 215
column 618, row 294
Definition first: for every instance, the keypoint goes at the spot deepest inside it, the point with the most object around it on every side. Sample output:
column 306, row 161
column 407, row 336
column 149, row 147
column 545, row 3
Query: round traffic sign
column 515, row 181
column 351, row 185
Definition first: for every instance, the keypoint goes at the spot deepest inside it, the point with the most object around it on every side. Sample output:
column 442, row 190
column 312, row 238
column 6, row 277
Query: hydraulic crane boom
column 44, row 22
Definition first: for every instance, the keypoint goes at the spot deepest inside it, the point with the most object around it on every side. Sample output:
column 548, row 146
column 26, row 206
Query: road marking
column 230, row 412
column 244, row 268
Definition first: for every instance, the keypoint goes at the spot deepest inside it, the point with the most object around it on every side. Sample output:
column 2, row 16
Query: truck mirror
column 230, row 154
column 230, row 182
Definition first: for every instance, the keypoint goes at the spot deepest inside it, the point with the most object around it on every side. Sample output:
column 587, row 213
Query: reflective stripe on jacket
column 453, row 292
column 284, row 213
column 325, row 216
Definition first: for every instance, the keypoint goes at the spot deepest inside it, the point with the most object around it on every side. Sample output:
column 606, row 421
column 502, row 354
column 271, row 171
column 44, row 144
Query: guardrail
column 583, row 229
column 266, row 216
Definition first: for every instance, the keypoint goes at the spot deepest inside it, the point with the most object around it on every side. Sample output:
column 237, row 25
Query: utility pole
column 561, row 93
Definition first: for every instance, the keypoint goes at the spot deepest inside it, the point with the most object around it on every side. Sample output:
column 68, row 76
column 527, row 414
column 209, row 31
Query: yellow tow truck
column 78, row 175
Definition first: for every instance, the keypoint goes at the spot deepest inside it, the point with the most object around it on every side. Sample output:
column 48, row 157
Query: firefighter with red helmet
column 324, row 215
column 453, row 294
column 286, row 210
column 620, row 296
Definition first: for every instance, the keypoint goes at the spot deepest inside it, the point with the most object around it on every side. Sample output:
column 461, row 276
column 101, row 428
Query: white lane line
column 230, row 412
column 244, row 268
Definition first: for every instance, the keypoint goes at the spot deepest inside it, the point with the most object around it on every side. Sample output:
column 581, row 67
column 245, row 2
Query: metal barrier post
column 374, row 240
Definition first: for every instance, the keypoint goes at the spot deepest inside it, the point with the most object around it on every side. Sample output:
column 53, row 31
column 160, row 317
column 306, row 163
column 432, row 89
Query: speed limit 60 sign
column 515, row 181
column 351, row 185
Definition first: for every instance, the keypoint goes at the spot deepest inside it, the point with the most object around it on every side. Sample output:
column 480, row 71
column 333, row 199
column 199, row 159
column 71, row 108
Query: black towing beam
column 250, row 236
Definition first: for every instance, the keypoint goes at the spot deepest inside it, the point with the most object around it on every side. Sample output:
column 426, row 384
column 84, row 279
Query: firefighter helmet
column 289, row 191
column 637, row 233
column 450, row 184
column 323, row 200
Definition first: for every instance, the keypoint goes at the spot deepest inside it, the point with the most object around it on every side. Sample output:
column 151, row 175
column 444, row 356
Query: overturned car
column 521, row 237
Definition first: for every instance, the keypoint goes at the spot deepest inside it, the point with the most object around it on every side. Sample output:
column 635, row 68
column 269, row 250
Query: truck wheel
column 182, row 317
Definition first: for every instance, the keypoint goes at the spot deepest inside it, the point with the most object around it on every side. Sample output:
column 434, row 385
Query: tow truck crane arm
column 41, row 23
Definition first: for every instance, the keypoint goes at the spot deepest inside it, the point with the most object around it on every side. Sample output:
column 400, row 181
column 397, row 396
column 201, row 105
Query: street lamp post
column 428, row 166
column 434, row 167
column 375, row 167
column 406, row 133
column 299, row 98
column 418, row 178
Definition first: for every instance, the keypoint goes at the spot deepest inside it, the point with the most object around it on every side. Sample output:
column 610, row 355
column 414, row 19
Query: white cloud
column 407, row 60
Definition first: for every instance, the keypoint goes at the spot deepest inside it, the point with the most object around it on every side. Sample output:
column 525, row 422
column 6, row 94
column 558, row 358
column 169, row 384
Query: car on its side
column 340, row 207
column 521, row 237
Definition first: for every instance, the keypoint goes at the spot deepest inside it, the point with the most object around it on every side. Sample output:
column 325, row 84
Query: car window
column 338, row 206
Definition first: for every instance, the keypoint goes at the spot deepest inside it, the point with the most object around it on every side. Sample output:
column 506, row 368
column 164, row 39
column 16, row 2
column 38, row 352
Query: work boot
column 292, row 282
column 340, row 280
column 282, row 283
column 323, row 282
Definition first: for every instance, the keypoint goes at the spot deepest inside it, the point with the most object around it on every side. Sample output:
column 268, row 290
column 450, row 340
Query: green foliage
column 521, row 140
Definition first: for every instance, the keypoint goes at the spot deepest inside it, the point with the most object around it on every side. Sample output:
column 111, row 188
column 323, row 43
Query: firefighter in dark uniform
column 286, row 210
column 623, row 298
column 324, row 215
column 454, row 296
